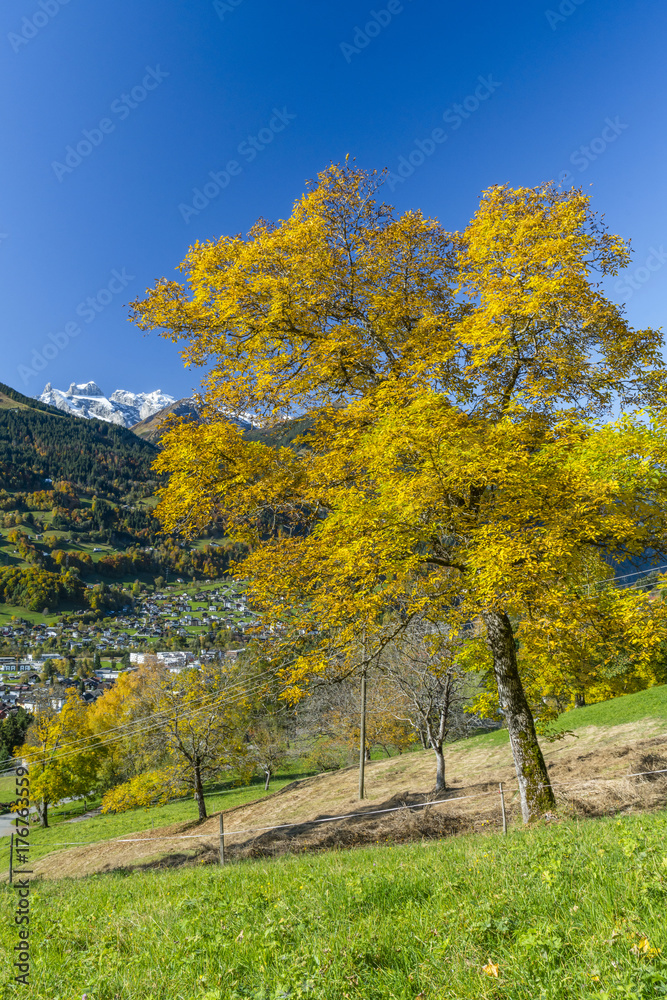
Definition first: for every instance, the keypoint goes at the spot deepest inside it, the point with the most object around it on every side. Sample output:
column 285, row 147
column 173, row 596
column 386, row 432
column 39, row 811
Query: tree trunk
column 268, row 779
column 199, row 794
column 534, row 786
column 43, row 812
column 440, row 785
column 580, row 700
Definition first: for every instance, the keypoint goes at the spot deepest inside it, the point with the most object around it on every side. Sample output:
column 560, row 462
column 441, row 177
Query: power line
column 135, row 727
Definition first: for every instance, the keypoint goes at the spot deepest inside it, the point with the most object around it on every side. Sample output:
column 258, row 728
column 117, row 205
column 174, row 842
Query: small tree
column 203, row 717
column 267, row 747
column 425, row 670
column 58, row 770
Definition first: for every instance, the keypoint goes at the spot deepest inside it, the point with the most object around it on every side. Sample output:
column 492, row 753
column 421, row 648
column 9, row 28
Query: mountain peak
column 86, row 389
column 122, row 407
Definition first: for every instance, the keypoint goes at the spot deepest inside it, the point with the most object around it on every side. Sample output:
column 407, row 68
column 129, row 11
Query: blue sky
column 153, row 98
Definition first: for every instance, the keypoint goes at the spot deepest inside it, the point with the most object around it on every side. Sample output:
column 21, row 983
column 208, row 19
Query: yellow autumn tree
column 194, row 728
column 456, row 384
column 116, row 719
column 62, row 754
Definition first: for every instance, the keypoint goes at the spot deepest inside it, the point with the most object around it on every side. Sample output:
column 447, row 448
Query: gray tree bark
column 43, row 812
column 440, row 784
column 199, row 793
column 535, row 789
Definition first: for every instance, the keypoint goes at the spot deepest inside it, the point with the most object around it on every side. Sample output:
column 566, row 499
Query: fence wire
column 431, row 803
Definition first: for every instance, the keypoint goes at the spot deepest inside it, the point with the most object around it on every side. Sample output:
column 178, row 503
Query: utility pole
column 362, row 728
column 362, row 734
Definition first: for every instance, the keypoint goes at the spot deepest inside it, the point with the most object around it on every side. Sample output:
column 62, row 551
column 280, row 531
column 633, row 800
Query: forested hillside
column 39, row 443
column 76, row 509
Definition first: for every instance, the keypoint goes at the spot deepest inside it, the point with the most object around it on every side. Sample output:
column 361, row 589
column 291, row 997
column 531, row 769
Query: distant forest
column 42, row 443
column 85, row 479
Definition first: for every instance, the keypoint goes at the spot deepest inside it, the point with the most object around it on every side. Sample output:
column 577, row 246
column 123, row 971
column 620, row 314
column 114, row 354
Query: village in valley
column 181, row 625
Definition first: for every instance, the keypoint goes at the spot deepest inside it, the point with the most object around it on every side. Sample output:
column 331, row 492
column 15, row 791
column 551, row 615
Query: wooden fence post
column 502, row 805
column 222, row 841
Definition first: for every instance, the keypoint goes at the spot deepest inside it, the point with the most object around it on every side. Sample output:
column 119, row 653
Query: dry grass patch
column 471, row 803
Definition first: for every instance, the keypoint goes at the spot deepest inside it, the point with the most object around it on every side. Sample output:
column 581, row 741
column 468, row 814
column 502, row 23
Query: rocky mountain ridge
column 122, row 407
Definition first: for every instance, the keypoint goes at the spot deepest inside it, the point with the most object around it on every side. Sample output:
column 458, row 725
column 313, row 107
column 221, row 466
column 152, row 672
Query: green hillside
column 560, row 910
column 40, row 445
column 650, row 704
column 76, row 502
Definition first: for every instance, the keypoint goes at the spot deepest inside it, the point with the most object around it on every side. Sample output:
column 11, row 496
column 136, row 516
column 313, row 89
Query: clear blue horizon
column 131, row 131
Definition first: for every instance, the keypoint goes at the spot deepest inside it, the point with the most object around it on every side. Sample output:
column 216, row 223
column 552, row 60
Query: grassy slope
column 218, row 797
column 557, row 909
column 7, row 403
column 628, row 708
column 650, row 704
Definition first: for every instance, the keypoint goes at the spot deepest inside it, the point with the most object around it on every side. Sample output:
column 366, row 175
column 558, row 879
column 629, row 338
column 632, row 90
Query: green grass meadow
column 651, row 703
column 569, row 910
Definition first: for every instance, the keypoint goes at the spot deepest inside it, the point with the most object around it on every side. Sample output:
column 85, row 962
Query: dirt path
column 473, row 775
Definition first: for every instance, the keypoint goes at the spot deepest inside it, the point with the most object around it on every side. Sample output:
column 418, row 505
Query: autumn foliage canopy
column 459, row 460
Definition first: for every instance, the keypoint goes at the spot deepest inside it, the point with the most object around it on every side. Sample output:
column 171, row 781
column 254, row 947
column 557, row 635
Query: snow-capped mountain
column 121, row 407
